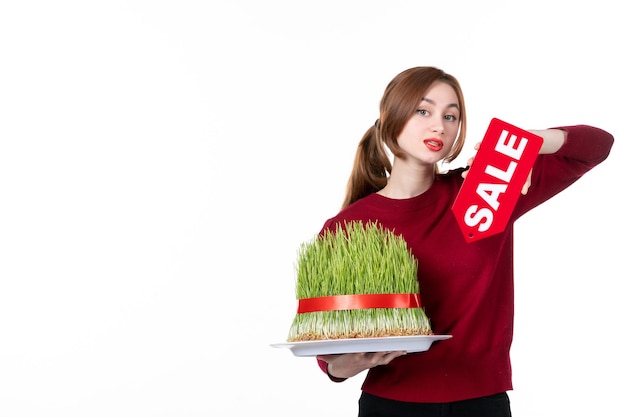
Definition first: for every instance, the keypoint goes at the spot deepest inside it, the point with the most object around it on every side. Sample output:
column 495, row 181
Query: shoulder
column 360, row 210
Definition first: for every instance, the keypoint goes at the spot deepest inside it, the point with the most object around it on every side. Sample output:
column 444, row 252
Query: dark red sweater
column 466, row 288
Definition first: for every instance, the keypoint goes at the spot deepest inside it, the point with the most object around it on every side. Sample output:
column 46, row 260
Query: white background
column 162, row 161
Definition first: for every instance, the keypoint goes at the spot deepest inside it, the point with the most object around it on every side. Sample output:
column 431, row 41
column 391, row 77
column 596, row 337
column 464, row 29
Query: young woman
column 466, row 288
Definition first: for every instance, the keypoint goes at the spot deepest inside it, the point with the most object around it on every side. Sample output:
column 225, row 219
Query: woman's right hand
column 350, row 364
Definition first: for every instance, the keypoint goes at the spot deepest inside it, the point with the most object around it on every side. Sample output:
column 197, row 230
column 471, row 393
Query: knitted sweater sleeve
column 587, row 144
column 585, row 147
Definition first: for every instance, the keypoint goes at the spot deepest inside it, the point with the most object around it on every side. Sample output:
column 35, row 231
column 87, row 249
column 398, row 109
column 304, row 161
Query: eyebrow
column 427, row 100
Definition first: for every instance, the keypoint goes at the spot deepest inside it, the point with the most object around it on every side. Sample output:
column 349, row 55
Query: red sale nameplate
column 494, row 182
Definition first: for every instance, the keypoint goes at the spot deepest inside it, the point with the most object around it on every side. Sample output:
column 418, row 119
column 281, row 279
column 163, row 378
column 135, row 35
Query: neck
column 405, row 182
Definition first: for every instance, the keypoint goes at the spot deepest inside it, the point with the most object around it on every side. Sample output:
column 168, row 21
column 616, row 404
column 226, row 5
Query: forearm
column 553, row 139
column 584, row 143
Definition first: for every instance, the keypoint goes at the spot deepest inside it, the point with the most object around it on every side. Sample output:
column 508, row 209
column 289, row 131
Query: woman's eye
column 450, row 117
column 422, row 112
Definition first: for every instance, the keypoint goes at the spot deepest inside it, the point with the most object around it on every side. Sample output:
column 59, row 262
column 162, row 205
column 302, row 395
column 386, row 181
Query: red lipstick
column 433, row 144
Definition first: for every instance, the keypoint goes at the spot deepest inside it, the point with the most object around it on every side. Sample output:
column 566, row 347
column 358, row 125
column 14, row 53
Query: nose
column 437, row 127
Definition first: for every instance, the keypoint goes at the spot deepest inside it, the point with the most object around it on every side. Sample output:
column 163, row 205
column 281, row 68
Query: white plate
column 371, row 344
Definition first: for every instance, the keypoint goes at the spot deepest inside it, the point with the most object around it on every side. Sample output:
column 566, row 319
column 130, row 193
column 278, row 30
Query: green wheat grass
column 357, row 259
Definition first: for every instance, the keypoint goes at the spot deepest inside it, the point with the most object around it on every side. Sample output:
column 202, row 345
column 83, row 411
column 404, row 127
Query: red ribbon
column 358, row 301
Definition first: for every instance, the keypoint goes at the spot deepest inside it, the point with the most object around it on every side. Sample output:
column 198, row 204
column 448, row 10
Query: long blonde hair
column 400, row 100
